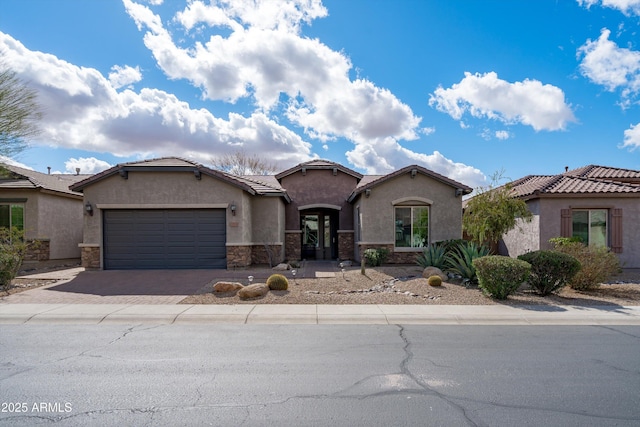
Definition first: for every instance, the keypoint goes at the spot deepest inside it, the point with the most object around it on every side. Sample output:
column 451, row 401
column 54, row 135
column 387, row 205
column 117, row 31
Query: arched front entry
column 319, row 233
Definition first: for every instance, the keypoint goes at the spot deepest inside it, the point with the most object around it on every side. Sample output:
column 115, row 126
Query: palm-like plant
column 433, row 256
column 460, row 260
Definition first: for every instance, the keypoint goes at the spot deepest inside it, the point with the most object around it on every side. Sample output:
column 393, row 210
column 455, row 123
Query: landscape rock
column 226, row 287
column 434, row 271
column 281, row 267
column 253, row 291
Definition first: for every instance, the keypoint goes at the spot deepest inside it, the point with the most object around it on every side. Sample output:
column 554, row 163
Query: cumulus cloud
column 86, row 165
column 12, row 162
column 385, row 156
column 124, row 76
column 632, row 137
column 628, row 7
column 541, row 106
column 82, row 109
column 607, row 64
column 256, row 51
column 502, row 134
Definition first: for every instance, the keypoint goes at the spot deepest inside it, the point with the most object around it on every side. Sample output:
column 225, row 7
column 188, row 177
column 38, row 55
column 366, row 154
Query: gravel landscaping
column 405, row 285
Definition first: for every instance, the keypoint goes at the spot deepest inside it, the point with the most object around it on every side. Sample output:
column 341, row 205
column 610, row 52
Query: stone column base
column 90, row 256
column 293, row 244
column 238, row 256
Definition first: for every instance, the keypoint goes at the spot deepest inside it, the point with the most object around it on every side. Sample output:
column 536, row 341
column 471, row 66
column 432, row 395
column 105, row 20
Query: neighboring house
column 174, row 213
column 599, row 204
column 45, row 208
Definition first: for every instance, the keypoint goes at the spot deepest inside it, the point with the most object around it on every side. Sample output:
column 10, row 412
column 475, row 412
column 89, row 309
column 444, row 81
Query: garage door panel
column 165, row 238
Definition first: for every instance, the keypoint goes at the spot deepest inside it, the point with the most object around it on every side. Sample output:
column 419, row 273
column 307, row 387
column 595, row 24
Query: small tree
column 492, row 212
column 19, row 113
column 13, row 248
column 241, row 163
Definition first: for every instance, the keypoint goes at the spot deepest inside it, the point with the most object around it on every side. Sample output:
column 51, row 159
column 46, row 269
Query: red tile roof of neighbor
column 588, row 180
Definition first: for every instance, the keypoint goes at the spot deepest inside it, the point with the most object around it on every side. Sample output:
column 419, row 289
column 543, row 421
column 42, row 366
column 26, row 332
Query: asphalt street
column 320, row 375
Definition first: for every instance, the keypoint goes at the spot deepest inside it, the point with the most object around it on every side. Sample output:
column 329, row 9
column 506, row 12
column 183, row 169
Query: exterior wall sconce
column 367, row 192
column 233, row 209
column 304, row 171
column 89, row 208
column 414, row 172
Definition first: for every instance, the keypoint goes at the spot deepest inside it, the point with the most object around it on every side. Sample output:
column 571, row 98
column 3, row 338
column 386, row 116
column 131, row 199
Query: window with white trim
column 12, row 215
column 590, row 225
column 411, row 226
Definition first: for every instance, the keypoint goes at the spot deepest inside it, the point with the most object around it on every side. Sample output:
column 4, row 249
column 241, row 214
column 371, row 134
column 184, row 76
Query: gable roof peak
column 319, row 164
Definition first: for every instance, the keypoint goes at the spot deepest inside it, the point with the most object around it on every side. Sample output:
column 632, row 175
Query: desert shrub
column 499, row 276
column 598, row 263
column 376, row 257
column 432, row 256
column 13, row 248
column 277, row 282
column 434, row 281
column 550, row 270
column 460, row 260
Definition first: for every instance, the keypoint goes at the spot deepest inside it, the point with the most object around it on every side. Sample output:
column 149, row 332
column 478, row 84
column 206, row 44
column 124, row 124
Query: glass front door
column 319, row 233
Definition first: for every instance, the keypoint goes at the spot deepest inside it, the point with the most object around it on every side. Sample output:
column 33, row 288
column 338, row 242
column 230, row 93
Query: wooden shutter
column 566, row 223
column 616, row 230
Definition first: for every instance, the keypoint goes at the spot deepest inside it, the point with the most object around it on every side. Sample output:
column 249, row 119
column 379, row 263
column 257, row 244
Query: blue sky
column 464, row 88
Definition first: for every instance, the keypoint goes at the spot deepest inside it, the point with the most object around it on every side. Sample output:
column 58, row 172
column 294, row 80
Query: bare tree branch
column 241, row 163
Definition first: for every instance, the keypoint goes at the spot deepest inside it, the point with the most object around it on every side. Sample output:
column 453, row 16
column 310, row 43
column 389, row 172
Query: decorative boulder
column 434, row 271
column 281, row 267
column 226, row 287
column 253, row 291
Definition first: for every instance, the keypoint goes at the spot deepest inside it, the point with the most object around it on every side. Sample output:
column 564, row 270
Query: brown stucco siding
column 319, row 187
column 445, row 221
column 546, row 225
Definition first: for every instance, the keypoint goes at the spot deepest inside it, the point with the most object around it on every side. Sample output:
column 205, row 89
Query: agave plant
column 460, row 261
column 433, row 256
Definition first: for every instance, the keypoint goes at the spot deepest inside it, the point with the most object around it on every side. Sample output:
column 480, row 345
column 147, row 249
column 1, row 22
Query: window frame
column 11, row 206
column 412, row 208
column 589, row 212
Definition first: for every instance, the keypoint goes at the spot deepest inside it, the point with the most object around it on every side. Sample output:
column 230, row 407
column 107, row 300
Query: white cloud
column 124, row 76
column 632, row 137
column 87, row 165
column 386, row 155
column 613, row 67
column 11, row 162
column 83, row 110
column 503, row 134
column 264, row 58
column 628, row 7
column 541, row 106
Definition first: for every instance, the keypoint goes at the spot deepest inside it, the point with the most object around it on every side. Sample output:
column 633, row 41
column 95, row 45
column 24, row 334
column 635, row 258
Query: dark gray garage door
column 164, row 238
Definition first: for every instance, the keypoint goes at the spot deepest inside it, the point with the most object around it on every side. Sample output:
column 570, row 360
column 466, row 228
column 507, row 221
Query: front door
column 319, row 235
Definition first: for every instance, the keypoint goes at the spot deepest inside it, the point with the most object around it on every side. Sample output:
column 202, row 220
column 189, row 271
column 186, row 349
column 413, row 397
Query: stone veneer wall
column 259, row 254
column 346, row 246
column 238, row 256
column 90, row 257
column 39, row 251
column 394, row 257
column 293, row 245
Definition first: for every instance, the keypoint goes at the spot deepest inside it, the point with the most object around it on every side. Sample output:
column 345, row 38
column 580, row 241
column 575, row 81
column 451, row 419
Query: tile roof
column 30, row 179
column 580, row 181
column 254, row 185
column 379, row 179
column 607, row 173
column 319, row 164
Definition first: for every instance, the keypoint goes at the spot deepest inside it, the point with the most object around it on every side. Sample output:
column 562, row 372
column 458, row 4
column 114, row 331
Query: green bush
column 13, row 248
column 277, row 282
column 434, row 281
column 376, row 257
column 433, row 256
column 460, row 260
column 598, row 263
column 550, row 270
column 499, row 276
